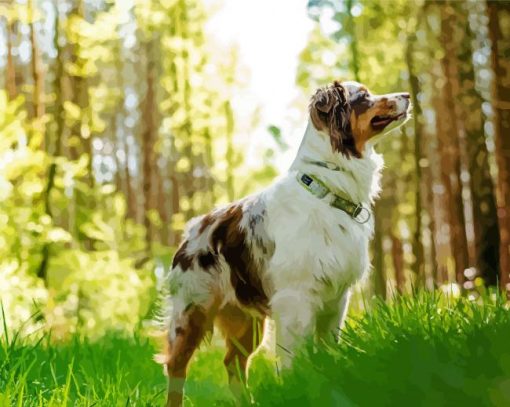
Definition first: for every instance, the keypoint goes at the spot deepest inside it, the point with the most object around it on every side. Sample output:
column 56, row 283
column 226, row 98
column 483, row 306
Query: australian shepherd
column 284, row 259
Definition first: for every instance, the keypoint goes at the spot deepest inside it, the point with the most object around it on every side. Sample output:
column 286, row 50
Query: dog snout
column 404, row 100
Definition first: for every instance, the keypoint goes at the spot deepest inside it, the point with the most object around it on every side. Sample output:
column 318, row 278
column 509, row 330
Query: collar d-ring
column 362, row 215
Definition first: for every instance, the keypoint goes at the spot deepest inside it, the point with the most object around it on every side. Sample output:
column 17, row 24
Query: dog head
column 352, row 116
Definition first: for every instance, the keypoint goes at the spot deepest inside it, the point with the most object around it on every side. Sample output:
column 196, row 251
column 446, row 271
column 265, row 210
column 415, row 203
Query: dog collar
column 320, row 190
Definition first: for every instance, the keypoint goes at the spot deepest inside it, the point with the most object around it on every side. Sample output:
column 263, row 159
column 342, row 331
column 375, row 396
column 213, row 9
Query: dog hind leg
column 187, row 330
column 242, row 336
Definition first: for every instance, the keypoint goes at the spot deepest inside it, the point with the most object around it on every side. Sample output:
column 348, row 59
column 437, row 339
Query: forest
column 118, row 124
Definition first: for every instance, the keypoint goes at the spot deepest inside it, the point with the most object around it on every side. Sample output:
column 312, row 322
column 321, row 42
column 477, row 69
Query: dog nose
column 406, row 95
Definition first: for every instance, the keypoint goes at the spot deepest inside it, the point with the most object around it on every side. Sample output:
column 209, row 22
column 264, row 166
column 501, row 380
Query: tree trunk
column 430, row 199
column 379, row 275
column 353, row 43
column 37, row 72
column 176, row 198
column 132, row 204
column 451, row 144
column 57, row 139
column 397, row 254
column 163, row 209
column 230, row 150
column 79, row 138
column 485, row 223
column 10, row 75
column 122, row 144
column 119, row 185
column 148, row 141
column 500, row 50
column 418, row 265
column 443, row 130
column 81, row 142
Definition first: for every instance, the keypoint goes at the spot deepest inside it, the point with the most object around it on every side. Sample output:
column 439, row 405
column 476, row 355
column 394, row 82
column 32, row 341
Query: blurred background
column 120, row 120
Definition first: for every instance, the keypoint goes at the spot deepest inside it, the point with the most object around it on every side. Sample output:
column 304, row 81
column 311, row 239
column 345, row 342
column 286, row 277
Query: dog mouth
column 380, row 122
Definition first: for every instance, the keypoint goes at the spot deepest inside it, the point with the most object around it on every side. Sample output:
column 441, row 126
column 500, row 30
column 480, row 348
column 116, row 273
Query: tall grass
column 422, row 351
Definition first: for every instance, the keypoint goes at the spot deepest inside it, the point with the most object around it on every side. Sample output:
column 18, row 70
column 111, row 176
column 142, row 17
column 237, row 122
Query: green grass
column 415, row 352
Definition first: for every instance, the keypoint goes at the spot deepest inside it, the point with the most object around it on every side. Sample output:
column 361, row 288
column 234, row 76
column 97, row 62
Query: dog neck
column 359, row 178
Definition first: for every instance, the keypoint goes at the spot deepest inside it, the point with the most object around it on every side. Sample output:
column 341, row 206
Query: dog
column 289, row 254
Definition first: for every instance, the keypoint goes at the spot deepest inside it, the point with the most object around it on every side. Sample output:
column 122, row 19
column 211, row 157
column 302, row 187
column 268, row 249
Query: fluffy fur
column 283, row 255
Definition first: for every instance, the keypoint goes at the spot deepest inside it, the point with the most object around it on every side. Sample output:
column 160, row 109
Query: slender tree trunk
column 353, row 43
column 148, row 141
column 500, row 51
column 451, row 141
column 443, row 130
column 131, row 196
column 119, row 185
column 429, row 198
column 418, row 265
column 190, row 185
column 209, row 163
column 379, row 275
column 123, row 170
column 397, row 254
column 57, row 140
column 37, row 71
column 10, row 76
column 176, row 199
column 229, row 117
column 163, row 208
column 80, row 142
column 481, row 185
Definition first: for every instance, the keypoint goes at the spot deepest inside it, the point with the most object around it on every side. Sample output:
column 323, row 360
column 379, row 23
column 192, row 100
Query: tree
column 450, row 144
column 149, row 139
column 55, row 148
column 37, row 70
column 10, row 74
column 486, row 242
column 419, row 260
column 499, row 13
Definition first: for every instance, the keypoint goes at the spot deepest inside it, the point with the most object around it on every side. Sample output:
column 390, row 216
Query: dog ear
column 330, row 109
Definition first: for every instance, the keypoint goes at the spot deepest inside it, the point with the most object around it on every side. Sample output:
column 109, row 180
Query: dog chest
column 323, row 244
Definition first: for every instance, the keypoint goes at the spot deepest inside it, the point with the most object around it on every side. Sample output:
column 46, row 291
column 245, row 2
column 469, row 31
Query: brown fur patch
column 242, row 334
column 181, row 258
column 207, row 260
column 361, row 116
column 207, row 220
column 190, row 329
column 229, row 239
column 330, row 109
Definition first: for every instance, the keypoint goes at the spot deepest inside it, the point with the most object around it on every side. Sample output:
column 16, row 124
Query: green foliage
column 80, row 373
column 23, row 224
column 73, row 216
column 427, row 350
column 95, row 290
column 418, row 351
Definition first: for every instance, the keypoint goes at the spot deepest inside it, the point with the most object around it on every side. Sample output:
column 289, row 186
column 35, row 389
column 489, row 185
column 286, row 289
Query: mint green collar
column 316, row 187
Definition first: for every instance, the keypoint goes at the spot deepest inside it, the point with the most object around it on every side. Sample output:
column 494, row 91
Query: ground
column 424, row 351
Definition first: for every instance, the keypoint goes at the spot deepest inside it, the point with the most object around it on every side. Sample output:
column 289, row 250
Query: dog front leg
column 294, row 322
column 331, row 317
